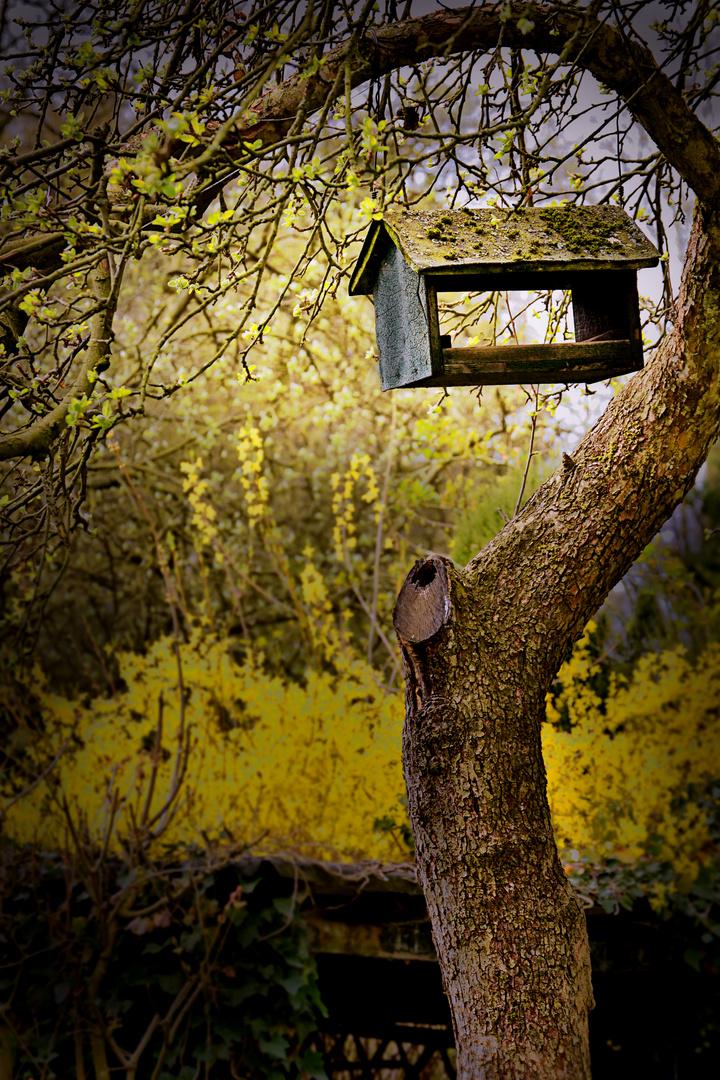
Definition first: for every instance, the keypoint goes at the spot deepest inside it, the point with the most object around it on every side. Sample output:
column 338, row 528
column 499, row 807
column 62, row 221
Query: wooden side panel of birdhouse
column 605, row 308
column 401, row 323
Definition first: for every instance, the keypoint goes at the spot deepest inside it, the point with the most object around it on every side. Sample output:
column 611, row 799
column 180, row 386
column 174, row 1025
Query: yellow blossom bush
column 304, row 767
column 314, row 767
column 203, row 514
column 343, row 505
column 252, row 479
column 621, row 782
column 315, row 764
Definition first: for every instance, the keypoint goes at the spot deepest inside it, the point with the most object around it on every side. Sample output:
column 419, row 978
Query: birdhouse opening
column 413, row 260
column 512, row 317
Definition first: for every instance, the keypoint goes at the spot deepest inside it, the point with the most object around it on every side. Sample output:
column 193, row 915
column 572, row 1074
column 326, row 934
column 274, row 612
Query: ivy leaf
column 285, row 905
column 276, row 1047
column 293, row 983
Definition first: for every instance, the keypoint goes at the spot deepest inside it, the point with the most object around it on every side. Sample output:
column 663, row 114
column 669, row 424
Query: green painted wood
column 401, row 323
column 437, row 340
column 374, row 249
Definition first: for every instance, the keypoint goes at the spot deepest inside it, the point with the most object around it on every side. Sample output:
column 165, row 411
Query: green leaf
column 191, row 939
column 285, row 905
column 705, row 892
column 312, row 1064
column 154, row 947
column 171, row 984
column 231, row 1032
column 276, row 1047
column 293, row 983
column 236, row 996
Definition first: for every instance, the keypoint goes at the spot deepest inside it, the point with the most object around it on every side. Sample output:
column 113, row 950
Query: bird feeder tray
column 412, row 255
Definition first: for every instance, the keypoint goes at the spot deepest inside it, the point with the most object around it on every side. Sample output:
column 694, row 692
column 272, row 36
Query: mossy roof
column 535, row 239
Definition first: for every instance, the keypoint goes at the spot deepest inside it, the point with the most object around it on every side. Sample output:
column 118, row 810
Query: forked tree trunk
column 482, row 646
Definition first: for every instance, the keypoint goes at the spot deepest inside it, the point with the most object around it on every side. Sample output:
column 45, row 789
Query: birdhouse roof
column 522, row 241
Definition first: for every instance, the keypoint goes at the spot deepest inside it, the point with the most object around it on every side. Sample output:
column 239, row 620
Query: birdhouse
column 412, row 255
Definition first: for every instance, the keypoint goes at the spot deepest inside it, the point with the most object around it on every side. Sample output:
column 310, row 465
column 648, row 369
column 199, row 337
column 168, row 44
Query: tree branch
column 37, row 440
column 626, row 67
column 549, row 571
column 622, row 65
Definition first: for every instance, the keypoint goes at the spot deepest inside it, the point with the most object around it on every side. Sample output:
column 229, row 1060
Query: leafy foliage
column 317, row 766
column 315, row 407
column 160, row 971
column 480, row 523
column 312, row 761
column 171, row 184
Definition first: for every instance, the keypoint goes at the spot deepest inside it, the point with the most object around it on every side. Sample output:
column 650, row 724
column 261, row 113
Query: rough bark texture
column 509, row 932
column 510, row 936
column 482, row 645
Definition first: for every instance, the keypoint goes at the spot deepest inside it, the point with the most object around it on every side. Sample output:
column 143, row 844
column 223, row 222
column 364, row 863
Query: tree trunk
column 482, row 646
column 508, row 929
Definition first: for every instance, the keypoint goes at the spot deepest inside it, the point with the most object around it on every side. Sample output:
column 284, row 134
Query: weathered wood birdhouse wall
column 412, row 255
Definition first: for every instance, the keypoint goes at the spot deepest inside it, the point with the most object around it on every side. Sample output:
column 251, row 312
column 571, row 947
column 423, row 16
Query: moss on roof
column 531, row 239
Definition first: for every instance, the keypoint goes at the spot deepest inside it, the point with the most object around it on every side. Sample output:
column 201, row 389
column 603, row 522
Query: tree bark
column 510, row 936
column 508, row 929
column 482, row 646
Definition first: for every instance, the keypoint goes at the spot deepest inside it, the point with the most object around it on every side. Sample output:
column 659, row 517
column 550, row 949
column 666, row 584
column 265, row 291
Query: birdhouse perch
column 412, row 255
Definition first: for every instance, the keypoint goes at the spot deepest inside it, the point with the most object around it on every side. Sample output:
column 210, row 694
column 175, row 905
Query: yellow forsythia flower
column 619, row 782
column 305, row 767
